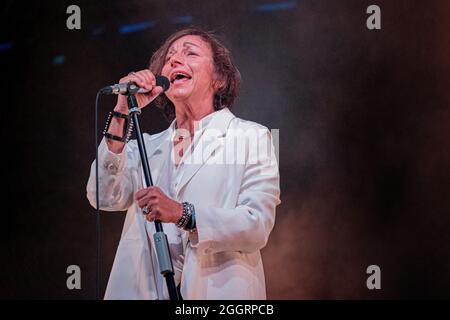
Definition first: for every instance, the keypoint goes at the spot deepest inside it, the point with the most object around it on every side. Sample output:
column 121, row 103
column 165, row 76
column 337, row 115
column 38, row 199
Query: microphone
column 132, row 87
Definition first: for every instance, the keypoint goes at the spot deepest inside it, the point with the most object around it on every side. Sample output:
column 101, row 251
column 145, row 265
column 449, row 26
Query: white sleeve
column 246, row 227
column 115, row 183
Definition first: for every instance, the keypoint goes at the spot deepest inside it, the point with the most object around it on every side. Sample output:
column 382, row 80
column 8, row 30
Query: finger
column 145, row 201
column 141, row 81
column 152, row 216
column 157, row 90
column 141, row 193
column 142, row 203
column 149, row 195
column 149, row 192
column 133, row 77
column 150, row 78
column 148, row 201
column 154, row 189
column 127, row 79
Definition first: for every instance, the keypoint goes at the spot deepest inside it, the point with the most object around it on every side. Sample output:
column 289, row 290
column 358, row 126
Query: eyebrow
column 184, row 45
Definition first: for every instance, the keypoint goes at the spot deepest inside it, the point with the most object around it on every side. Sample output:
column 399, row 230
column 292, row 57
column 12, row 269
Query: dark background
column 364, row 128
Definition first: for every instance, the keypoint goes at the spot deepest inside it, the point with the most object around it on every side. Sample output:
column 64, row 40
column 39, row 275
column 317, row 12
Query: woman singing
column 216, row 180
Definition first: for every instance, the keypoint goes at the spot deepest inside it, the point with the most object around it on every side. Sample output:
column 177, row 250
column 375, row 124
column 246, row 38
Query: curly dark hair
column 223, row 66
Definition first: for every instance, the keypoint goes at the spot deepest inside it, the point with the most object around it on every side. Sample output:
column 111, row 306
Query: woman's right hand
column 144, row 79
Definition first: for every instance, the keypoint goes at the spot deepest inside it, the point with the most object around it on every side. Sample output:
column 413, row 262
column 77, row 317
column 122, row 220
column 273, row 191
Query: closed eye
column 190, row 53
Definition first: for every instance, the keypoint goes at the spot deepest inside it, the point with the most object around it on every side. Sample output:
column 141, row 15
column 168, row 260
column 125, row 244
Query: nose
column 176, row 59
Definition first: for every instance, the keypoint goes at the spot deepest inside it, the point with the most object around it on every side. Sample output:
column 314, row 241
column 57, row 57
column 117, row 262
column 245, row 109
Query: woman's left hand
column 160, row 206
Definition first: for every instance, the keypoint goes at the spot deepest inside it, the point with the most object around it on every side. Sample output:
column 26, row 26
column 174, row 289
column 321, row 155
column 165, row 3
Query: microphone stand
column 160, row 238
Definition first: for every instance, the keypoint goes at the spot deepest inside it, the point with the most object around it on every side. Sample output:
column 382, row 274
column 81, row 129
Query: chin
column 179, row 95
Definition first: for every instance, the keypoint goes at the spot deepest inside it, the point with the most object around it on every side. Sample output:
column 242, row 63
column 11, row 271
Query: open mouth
column 178, row 77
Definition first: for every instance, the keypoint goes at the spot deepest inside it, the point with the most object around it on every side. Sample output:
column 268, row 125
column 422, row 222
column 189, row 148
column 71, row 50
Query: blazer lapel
column 211, row 139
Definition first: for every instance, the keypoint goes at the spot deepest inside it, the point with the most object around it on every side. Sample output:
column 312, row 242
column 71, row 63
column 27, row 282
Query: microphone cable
column 160, row 81
column 97, row 202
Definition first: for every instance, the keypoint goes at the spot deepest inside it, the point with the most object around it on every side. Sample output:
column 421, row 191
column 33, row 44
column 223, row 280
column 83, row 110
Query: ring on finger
column 145, row 210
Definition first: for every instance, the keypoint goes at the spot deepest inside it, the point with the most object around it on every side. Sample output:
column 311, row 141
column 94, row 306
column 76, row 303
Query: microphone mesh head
column 162, row 82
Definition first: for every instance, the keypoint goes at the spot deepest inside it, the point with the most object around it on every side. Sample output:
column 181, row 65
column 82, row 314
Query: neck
column 187, row 114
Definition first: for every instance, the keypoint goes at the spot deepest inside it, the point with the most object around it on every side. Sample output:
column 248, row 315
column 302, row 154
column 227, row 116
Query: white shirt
column 174, row 172
column 169, row 181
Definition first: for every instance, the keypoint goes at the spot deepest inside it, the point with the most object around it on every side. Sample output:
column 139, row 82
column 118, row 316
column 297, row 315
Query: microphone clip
column 121, row 88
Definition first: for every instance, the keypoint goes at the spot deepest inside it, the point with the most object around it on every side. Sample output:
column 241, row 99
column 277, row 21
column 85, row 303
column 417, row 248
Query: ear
column 218, row 83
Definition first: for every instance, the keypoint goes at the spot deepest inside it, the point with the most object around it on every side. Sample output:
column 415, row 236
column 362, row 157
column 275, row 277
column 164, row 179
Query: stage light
column 135, row 27
column 59, row 60
column 6, row 46
column 181, row 20
column 276, row 6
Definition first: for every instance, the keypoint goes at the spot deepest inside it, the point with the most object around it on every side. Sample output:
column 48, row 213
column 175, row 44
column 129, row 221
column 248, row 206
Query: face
column 190, row 70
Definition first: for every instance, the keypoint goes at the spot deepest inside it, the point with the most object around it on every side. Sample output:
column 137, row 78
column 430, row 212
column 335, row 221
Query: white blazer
column 235, row 190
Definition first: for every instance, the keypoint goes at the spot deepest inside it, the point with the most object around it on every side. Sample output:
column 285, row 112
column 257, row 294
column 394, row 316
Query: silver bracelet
column 188, row 211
